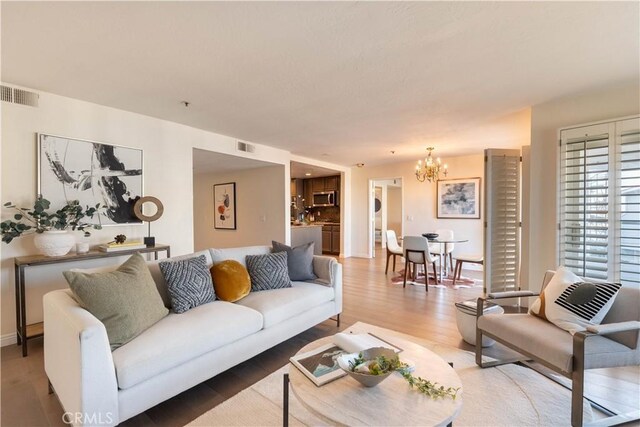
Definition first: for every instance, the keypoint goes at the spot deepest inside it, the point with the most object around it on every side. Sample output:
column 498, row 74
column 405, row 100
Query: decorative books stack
column 126, row 246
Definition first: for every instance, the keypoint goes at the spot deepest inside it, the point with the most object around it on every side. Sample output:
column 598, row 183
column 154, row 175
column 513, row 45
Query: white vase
column 54, row 242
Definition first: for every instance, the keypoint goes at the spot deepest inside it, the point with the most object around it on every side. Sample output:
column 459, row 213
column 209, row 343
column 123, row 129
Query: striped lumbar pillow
column 572, row 304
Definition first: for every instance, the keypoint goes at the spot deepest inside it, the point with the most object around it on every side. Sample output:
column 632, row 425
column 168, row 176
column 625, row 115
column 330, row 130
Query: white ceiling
column 205, row 161
column 344, row 82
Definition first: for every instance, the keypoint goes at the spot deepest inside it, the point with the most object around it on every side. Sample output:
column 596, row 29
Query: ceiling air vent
column 19, row 96
column 246, row 147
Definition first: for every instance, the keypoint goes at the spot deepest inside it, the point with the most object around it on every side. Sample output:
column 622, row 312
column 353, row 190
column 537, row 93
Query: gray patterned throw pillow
column 268, row 271
column 189, row 283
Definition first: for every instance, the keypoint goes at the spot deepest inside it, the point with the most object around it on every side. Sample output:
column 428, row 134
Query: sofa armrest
column 329, row 272
column 511, row 294
column 78, row 361
column 611, row 328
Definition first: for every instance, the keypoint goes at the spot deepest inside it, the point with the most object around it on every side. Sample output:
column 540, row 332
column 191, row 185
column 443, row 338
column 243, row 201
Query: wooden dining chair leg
column 407, row 266
column 386, row 269
column 435, row 273
column 451, row 260
column 456, row 275
column 394, row 262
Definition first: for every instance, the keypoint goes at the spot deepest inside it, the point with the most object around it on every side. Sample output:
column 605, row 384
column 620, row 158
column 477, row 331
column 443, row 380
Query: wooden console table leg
column 23, row 311
column 285, row 400
column 18, row 304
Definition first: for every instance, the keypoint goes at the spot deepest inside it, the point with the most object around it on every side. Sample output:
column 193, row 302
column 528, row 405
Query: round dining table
column 443, row 250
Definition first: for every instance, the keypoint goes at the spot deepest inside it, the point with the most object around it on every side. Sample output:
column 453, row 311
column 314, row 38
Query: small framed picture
column 459, row 198
column 321, row 364
column 224, row 203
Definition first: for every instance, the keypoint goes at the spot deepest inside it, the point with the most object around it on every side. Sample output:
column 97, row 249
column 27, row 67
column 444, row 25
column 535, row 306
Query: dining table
column 443, row 251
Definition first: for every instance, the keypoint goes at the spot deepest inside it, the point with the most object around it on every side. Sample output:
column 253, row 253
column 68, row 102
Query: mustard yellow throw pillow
column 230, row 280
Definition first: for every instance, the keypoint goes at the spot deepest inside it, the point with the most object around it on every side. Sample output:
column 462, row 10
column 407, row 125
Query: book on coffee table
column 320, row 365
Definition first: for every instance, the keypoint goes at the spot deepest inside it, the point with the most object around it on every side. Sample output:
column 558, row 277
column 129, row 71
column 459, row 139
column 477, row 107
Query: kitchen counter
column 303, row 234
column 306, row 225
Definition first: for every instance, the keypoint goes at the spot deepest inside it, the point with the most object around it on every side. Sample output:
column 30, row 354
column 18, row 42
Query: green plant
column 38, row 219
column 381, row 365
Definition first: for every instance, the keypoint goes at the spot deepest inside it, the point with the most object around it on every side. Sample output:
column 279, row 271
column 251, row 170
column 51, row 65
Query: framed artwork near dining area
column 458, row 198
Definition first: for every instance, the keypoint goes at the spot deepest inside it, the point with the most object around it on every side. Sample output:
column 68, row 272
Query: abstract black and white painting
column 224, row 201
column 459, row 198
column 91, row 172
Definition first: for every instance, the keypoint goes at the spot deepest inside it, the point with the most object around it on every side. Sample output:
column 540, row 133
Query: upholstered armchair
column 613, row 343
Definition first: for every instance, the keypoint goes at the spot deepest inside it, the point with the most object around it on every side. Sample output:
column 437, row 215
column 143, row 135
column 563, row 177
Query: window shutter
column 628, row 202
column 502, row 220
column 584, row 201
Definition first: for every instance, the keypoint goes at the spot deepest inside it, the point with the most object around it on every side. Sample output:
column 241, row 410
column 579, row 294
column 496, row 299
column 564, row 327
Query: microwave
column 325, row 198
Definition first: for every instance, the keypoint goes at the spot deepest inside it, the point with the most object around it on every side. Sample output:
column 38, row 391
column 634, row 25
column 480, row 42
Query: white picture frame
column 93, row 173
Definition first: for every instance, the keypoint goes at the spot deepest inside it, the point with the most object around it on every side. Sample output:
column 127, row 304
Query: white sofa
column 97, row 386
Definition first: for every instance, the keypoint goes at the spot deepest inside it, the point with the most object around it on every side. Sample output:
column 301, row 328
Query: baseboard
column 8, row 339
column 362, row 255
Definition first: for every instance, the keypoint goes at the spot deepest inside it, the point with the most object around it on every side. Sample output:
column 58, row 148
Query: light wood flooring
column 369, row 296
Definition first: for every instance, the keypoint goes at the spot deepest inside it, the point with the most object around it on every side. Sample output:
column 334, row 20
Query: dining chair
column 393, row 249
column 416, row 252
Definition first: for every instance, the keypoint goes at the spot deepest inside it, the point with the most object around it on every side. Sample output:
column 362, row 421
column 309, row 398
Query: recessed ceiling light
column 307, row 174
column 360, row 165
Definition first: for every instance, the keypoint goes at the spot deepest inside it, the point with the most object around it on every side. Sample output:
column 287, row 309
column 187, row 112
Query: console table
column 26, row 332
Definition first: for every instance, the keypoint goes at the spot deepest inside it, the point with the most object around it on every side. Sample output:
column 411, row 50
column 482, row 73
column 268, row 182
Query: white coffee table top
column 346, row 402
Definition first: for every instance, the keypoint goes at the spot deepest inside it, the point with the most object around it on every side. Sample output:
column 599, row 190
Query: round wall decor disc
column 137, row 208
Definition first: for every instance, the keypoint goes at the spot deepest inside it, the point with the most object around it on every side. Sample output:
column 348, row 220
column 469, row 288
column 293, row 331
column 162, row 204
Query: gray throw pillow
column 189, row 283
column 268, row 271
column 125, row 300
column 299, row 260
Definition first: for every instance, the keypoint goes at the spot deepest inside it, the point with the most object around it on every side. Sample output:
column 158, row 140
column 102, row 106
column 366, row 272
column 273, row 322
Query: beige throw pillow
column 125, row 300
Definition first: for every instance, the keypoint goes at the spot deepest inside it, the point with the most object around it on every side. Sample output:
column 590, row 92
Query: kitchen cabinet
column 308, row 193
column 317, row 184
column 331, row 239
column 335, row 239
column 331, row 183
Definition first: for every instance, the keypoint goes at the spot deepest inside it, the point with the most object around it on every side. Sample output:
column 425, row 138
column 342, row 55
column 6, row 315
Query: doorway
column 385, row 212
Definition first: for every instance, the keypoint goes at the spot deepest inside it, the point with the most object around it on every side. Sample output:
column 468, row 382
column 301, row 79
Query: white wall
column 258, row 220
column 394, row 209
column 419, row 202
column 168, row 175
column 617, row 100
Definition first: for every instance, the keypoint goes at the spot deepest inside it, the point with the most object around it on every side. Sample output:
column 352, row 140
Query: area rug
column 508, row 395
column 446, row 282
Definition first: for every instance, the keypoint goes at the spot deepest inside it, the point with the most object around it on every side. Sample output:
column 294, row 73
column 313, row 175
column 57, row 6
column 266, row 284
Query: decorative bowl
column 431, row 236
column 367, row 380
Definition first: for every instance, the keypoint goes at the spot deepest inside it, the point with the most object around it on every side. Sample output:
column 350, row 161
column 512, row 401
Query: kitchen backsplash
column 327, row 213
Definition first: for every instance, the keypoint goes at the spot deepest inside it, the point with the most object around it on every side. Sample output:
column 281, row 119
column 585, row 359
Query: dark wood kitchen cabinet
column 317, row 184
column 331, row 183
column 335, row 239
column 331, row 239
column 326, row 239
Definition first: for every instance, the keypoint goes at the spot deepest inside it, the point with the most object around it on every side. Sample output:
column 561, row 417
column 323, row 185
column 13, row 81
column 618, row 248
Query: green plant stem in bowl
column 39, row 220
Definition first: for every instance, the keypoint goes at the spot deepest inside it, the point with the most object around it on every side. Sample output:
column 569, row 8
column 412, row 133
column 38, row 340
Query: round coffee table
column 392, row 402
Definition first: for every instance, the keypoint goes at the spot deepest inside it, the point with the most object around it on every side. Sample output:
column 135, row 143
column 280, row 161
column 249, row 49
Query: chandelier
column 430, row 169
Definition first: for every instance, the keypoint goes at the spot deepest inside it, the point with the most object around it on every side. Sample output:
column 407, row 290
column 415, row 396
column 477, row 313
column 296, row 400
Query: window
column 600, row 201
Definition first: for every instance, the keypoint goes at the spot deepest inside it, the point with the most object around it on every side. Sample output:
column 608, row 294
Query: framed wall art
column 459, row 198
column 93, row 173
column 224, row 202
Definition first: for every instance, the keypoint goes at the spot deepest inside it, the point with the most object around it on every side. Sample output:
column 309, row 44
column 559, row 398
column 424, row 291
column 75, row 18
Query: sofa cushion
column 268, row 271
column 189, row 282
column 553, row 344
column 237, row 254
column 299, row 260
column 125, row 300
column 178, row 338
column 161, row 284
column 231, row 280
column 278, row 305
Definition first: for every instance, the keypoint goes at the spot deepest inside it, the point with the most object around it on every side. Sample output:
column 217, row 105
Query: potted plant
column 51, row 228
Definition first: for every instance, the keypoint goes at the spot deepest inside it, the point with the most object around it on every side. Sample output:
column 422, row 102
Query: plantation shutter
column 600, row 201
column 502, row 220
column 628, row 202
column 584, row 201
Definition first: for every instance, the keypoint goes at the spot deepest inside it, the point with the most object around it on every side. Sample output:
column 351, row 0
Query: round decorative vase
column 54, row 242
